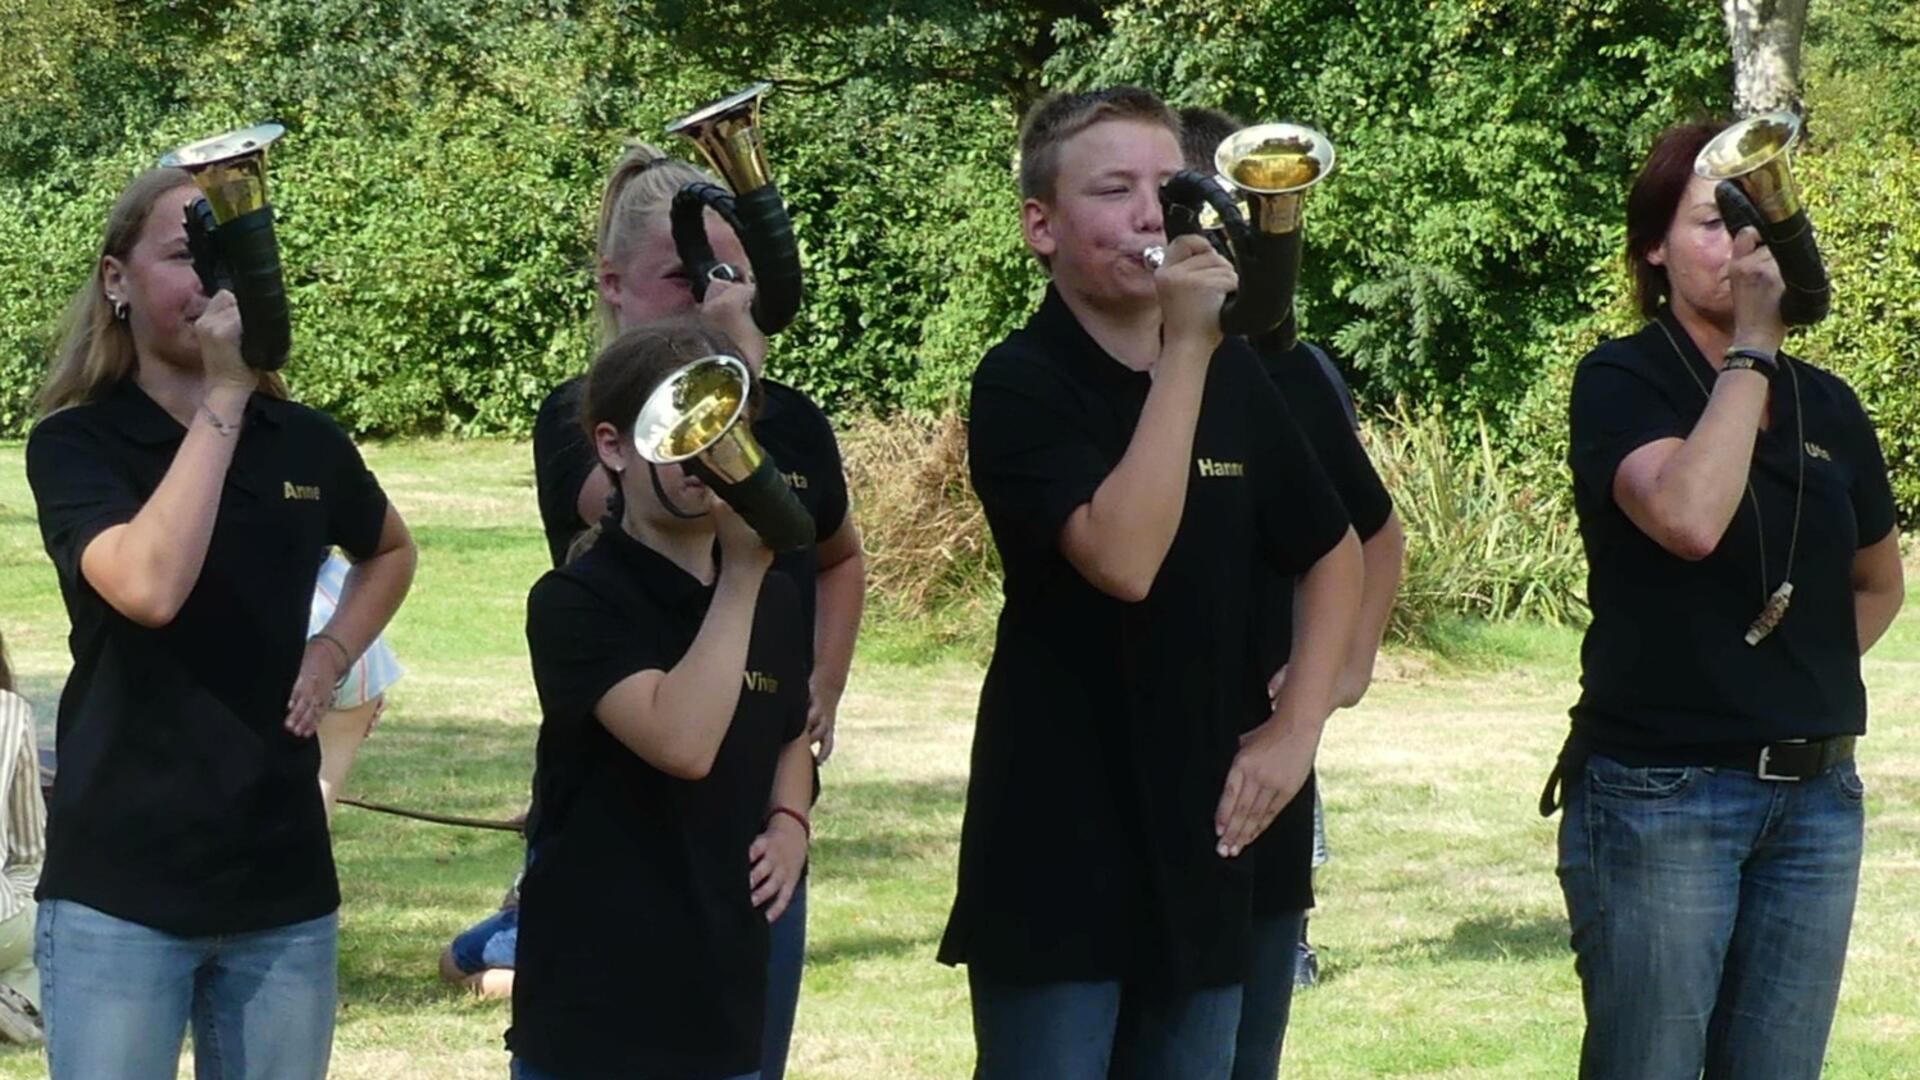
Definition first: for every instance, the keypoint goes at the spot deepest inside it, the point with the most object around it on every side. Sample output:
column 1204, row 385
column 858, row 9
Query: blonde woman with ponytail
column 185, row 504
column 638, row 278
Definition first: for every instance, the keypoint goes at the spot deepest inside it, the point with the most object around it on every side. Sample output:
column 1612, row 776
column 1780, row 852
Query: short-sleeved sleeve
column 1614, row 411
column 1334, row 379
column 831, row 513
column 1033, row 462
column 581, row 647
column 1300, row 515
column 1316, row 395
column 356, row 504
column 1872, row 491
column 79, row 489
column 562, row 461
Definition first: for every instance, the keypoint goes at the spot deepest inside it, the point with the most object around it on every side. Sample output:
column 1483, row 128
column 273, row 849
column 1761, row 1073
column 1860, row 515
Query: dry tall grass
column 928, row 548
column 1483, row 540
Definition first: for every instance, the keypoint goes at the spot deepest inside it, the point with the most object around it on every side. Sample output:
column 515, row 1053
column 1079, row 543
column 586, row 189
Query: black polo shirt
column 791, row 428
column 1106, row 728
column 1318, row 398
column 183, row 803
column 641, row 953
column 1665, row 667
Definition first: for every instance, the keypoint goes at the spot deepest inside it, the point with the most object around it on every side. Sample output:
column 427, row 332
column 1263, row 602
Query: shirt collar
column 1690, row 353
column 659, row 575
column 1695, row 359
column 773, row 398
column 1076, row 349
column 142, row 419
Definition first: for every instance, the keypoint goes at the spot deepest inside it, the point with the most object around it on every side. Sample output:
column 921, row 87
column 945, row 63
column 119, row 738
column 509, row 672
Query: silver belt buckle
column 1766, row 757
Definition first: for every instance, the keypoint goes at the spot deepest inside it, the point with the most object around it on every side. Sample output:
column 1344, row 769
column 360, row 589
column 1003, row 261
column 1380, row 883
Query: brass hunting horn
column 1755, row 187
column 728, row 135
column 230, row 236
column 696, row 417
column 1270, row 167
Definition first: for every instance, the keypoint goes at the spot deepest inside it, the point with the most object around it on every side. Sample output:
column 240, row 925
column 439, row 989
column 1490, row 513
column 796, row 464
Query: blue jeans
column 1097, row 1030
column 490, row 943
column 1710, row 912
column 786, row 955
column 1267, row 996
column 117, row 997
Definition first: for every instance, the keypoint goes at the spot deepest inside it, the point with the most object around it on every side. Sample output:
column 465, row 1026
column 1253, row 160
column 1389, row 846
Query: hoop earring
column 120, row 311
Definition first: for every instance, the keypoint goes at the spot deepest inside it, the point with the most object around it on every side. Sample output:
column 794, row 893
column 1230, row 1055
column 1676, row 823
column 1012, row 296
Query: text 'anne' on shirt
column 641, row 953
column 1317, row 397
column 183, row 804
column 1665, row 664
column 1106, row 728
column 790, row 427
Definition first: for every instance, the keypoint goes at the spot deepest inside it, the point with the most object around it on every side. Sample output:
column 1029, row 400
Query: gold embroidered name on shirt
column 761, row 683
column 1815, row 450
column 305, row 492
column 796, row 481
column 1210, row 467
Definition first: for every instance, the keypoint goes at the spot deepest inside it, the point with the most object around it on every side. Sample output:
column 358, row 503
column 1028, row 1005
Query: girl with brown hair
column 673, row 771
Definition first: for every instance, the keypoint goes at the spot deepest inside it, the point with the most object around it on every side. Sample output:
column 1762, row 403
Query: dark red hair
column 1653, row 201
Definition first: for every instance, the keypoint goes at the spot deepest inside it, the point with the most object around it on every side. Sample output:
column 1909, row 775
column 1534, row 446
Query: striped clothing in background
column 23, row 814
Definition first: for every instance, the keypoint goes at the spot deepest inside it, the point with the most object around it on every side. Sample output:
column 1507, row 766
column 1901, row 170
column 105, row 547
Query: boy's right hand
column 1193, row 282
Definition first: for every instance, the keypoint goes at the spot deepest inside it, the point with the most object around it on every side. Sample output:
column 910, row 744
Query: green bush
column 1482, row 540
column 1864, row 197
column 444, row 159
column 444, row 156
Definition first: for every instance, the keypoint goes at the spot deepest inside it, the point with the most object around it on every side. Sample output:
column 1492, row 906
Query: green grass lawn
column 1441, row 928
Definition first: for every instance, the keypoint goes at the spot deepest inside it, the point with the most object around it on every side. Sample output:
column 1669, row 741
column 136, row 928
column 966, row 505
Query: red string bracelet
column 805, row 825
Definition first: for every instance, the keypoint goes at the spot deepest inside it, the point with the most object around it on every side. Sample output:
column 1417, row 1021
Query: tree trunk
column 1765, row 35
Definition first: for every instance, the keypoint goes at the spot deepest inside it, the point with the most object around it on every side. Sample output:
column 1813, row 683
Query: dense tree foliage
column 444, row 157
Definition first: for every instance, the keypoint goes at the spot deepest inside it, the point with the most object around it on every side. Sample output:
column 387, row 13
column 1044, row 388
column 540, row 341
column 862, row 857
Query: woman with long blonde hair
column 185, row 504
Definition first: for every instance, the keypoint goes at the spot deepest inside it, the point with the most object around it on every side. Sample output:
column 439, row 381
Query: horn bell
column 1753, row 154
column 1271, row 166
column 229, row 169
column 728, row 135
column 695, row 417
column 695, row 413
